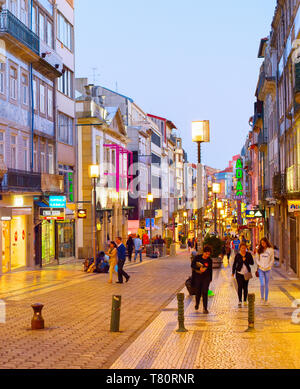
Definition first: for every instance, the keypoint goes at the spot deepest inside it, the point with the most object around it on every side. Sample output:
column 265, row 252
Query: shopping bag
column 225, row 261
column 235, row 284
column 210, row 293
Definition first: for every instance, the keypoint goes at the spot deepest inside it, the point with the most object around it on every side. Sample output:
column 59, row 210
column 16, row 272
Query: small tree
column 215, row 243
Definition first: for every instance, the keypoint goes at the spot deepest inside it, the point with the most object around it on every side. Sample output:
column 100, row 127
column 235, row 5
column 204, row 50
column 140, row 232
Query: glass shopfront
column 48, row 242
column 66, row 239
column 18, row 241
column 5, row 247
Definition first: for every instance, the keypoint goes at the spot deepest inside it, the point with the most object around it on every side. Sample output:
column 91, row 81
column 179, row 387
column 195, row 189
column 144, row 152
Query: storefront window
column 48, row 242
column 66, row 241
column 18, row 241
column 5, row 247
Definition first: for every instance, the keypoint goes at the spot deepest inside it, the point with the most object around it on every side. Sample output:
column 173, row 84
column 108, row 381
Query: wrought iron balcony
column 21, row 181
column 52, row 183
column 12, row 27
column 279, row 185
column 262, row 139
column 293, row 179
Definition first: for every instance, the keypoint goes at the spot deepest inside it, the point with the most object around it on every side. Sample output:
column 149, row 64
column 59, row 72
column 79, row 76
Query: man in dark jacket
column 121, row 261
column 130, row 246
column 202, row 276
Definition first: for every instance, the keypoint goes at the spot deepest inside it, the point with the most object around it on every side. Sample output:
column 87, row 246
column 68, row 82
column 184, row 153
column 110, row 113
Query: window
column 24, row 89
column 155, row 139
column 2, row 78
column 13, row 151
column 35, row 156
column 65, row 124
column 34, row 20
column 42, row 99
column 43, row 158
column 50, row 159
column 26, row 153
column 49, row 34
column 13, row 7
column 35, row 94
column 64, row 31
column 50, row 103
column 13, row 77
column 24, row 14
column 2, row 144
column 156, row 159
column 68, row 173
column 42, row 27
column 65, row 83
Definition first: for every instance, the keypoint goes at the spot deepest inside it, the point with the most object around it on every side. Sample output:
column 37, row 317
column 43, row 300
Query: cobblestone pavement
column 77, row 312
column 220, row 340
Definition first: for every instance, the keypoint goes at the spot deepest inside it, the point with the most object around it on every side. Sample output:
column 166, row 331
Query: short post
column 251, row 311
column 180, row 299
column 115, row 314
column 37, row 322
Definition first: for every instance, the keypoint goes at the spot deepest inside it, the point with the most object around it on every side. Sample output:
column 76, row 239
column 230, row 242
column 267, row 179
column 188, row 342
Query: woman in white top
column 265, row 260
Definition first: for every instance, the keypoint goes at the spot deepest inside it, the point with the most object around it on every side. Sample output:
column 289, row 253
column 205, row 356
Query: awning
column 41, row 204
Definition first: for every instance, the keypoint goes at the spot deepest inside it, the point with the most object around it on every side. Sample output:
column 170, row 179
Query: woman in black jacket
column 202, row 276
column 241, row 266
column 130, row 246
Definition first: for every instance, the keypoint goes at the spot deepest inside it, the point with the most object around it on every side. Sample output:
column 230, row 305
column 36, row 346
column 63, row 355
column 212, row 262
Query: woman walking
column 129, row 246
column 264, row 260
column 113, row 259
column 242, row 271
column 202, row 276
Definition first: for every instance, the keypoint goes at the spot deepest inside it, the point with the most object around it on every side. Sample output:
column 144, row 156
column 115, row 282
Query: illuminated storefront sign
column 52, row 213
column 57, row 201
column 239, row 175
column 294, row 205
column 254, row 214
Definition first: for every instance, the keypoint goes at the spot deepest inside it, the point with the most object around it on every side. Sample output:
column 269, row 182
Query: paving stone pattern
column 220, row 340
column 77, row 313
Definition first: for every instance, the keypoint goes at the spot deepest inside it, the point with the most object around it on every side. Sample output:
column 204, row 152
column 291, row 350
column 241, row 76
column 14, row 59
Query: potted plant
column 183, row 242
column 216, row 244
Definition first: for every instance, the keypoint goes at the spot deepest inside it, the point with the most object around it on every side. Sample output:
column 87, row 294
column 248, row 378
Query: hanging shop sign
column 294, row 205
column 81, row 214
column 254, row 214
column 52, row 213
column 239, row 190
column 57, row 202
column 251, row 225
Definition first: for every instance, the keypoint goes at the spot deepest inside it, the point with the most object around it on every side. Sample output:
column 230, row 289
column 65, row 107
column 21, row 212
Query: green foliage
column 215, row 243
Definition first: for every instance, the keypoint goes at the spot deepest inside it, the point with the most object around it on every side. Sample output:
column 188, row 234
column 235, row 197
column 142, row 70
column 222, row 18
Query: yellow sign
column 293, row 205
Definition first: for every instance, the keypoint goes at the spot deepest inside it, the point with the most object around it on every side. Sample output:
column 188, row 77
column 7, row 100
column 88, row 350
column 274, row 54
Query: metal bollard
column 115, row 314
column 251, row 311
column 180, row 299
column 37, row 322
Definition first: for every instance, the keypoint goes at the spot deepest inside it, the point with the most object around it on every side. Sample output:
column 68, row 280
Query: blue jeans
column 264, row 278
column 136, row 254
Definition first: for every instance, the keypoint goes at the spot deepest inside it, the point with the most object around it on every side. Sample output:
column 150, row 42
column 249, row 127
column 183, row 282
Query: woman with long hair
column 264, row 260
column 113, row 259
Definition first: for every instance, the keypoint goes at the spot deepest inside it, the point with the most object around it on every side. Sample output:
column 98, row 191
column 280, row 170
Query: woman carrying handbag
column 242, row 271
column 264, row 260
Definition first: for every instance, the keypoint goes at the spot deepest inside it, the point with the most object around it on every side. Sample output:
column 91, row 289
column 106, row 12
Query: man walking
column 138, row 247
column 121, row 261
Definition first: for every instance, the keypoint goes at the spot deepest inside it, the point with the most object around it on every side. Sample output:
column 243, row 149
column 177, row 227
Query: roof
column 111, row 113
column 156, row 117
column 119, row 94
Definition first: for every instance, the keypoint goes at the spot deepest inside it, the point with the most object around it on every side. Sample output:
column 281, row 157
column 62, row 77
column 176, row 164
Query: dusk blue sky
column 182, row 60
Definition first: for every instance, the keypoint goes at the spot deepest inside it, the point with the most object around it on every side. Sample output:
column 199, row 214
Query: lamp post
column 150, row 201
column 94, row 174
column 200, row 134
column 216, row 190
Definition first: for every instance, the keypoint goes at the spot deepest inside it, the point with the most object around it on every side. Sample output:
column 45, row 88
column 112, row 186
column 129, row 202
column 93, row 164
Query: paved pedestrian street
column 77, row 319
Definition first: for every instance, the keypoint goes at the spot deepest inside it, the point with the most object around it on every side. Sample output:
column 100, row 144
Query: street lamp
column 200, row 134
column 216, row 190
column 94, row 174
column 150, row 199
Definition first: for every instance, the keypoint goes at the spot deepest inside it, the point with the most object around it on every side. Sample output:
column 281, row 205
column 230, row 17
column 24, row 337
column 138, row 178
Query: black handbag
column 188, row 284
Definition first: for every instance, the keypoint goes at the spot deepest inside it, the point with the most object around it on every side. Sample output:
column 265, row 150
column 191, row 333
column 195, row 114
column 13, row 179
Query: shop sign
column 5, row 214
column 158, row 213
column 251, row 225
column 81, row 214
column 148, row 223
column 239, row 175
column 294, row 205
column 254, row 214
column 52, row 213
column 57, row 202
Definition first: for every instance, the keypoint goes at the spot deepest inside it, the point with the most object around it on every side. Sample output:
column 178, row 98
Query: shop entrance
column 48, row 242
column 66, row 239
column 5, row 247
column 293, row 244
column 18, row 241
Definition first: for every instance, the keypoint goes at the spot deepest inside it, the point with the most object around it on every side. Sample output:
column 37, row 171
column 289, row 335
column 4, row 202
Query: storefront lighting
column 18, row 201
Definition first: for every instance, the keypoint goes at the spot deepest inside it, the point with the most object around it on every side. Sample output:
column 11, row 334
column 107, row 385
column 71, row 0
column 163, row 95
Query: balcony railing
column 13, row 26
column 19, row 180
column 262, row 138
column 279, row 185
